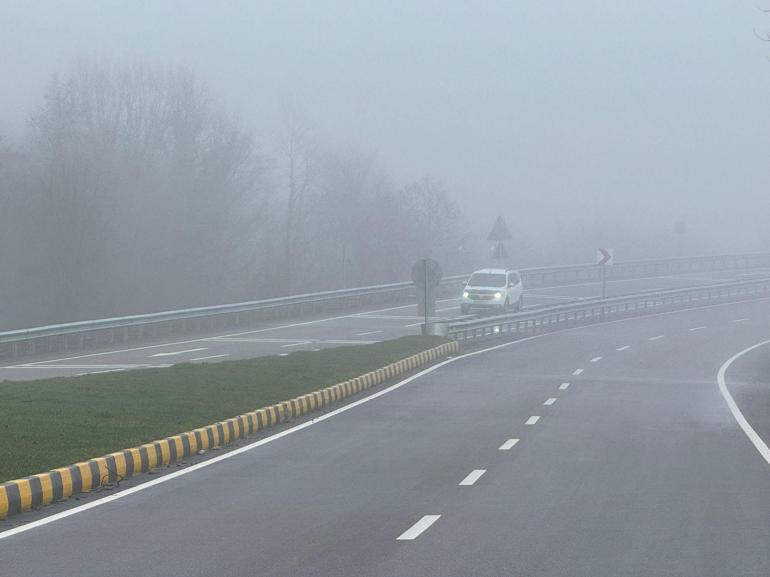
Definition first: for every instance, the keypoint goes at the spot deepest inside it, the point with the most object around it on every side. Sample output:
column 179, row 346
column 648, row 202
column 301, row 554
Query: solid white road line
column 279, row 435
column 532, row 420
column 760, row 445
column 369, row 333
column 740, row 320
column 623, row 348
column 564, row 386
column 346, row 342
column 100, row 372
column 418, row 528
column 252, row 340
column 210, row 357
column 172, row 353
column 455, row 299
column 296, row 344
column 550, row 401
column 84, row 366
column 693, row 329
column 472, row 477
column 577, row 372
column 398, row 318
column 656, row 338
column 596, row 359
column 508, row 445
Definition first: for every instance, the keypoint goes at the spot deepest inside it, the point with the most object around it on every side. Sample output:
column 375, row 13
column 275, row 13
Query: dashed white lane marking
column 623, row 348
column 737, row 414
column 472, row 477
column 508, row 445
column 550, row 401
column 564, row 386
column 693, row 329
column 740, row 320
column 656, row 338
column 284, row 355
column 369, row 333
column 210, row 357
column 296, row 344
column 532, row 420
column 418, row 528
column 577, row 372
column 172, row 353
column 596, row 359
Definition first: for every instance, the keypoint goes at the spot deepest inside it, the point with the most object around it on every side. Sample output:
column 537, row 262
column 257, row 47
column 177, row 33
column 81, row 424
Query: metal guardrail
column 555, row 275
column 79, row 335
column 596, row 310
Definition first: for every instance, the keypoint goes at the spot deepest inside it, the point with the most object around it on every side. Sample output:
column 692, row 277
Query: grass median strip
column 54, row 422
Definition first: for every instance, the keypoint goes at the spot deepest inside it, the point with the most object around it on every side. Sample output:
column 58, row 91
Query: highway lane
column 311, row 333
column 636, row 468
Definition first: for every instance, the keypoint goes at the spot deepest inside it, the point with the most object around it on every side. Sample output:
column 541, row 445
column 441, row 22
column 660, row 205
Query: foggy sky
column 617, row 114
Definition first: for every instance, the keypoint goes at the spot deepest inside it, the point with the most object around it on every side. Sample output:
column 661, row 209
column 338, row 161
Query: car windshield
column 487, row 279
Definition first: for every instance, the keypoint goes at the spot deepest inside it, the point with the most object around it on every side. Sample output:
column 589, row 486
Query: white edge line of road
column 735, row 410
column 160, row 480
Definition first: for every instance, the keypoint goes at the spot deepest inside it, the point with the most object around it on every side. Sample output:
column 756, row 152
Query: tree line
column 136, row 191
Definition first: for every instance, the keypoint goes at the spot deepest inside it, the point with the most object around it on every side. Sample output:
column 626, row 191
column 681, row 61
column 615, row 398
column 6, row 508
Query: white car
column 493, row 289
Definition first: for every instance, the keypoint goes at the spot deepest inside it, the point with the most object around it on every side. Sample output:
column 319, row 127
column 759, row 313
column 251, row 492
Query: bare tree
column 150, row 191
column 300, row 152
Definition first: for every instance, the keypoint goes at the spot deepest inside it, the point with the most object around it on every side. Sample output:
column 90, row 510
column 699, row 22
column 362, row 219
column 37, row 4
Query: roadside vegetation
column 148, row 195
column 54, row 422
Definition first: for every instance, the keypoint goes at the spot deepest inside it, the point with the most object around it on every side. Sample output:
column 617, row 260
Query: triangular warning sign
column 500, row 231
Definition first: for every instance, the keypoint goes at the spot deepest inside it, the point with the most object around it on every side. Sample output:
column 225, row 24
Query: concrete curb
column 38, row 490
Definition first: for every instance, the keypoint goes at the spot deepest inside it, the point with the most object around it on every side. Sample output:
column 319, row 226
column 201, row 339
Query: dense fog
column 162, row 155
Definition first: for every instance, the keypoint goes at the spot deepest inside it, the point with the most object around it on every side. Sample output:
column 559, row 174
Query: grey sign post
column 426, row 275
column 499, row 234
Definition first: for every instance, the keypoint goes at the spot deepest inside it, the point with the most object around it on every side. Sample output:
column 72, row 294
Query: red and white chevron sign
column 604, row 256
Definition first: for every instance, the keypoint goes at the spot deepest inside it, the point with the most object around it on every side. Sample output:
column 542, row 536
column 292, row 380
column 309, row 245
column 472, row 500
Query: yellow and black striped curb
column 31, row 492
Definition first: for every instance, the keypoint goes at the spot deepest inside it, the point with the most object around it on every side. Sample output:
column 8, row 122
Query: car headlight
column 466, row 294
column 498, row 295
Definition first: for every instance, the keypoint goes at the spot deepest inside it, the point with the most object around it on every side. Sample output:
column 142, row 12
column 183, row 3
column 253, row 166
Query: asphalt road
column 605, row 450
column 307, row 333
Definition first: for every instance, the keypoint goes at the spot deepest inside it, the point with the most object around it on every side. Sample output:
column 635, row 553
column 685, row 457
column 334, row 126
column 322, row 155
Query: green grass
column 54, row 422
